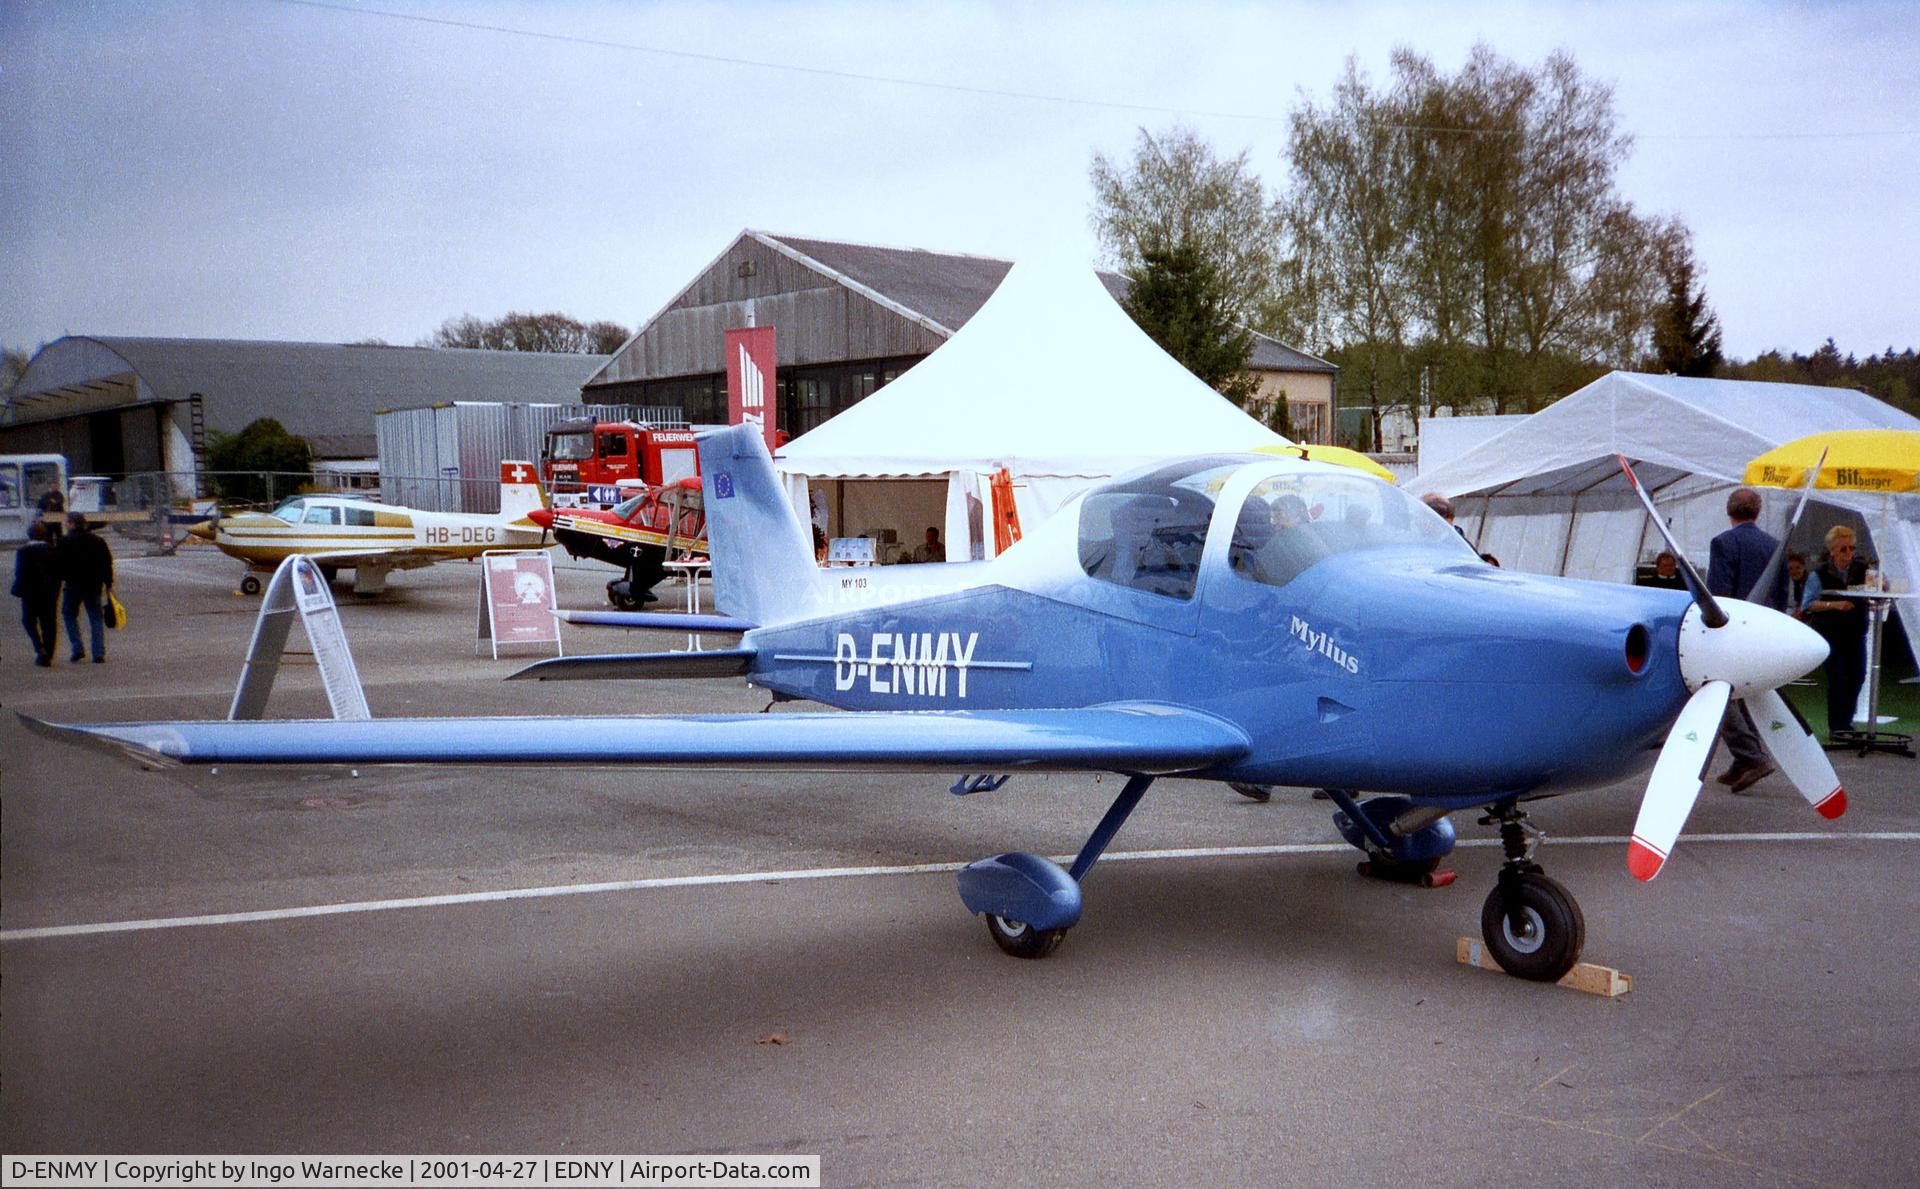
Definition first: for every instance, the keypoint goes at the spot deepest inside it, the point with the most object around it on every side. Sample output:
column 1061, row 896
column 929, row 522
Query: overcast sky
column 273, row 169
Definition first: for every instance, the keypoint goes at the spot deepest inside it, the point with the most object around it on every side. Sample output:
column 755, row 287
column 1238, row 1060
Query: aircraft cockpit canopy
column 301, row 510
column 1149, row 531
column 1290, row 522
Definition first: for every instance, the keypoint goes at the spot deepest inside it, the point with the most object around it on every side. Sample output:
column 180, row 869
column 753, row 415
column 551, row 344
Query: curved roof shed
column 316, row 390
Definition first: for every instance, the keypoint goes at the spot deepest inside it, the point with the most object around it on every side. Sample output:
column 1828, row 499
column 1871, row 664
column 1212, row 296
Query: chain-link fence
column 158, row 508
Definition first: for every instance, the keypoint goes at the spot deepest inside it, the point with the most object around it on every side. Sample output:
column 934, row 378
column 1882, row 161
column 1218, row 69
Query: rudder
column 521, row 490
column 763, row 563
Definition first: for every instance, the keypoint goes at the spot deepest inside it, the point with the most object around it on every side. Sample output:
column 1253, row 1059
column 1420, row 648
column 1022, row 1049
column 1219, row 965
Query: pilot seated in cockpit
column 1275, row 539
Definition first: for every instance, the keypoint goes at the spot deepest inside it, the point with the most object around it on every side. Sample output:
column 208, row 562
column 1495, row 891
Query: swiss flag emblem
column 515, row 472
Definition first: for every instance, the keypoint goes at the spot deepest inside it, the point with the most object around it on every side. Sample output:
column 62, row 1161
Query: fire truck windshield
column 572, row 446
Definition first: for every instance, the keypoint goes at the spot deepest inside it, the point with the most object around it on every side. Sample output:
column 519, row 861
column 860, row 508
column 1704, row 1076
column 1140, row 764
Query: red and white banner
column 751, row 396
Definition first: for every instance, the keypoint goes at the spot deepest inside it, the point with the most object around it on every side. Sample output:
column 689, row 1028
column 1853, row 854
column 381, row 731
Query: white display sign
column 299, row 588
column 517, row 599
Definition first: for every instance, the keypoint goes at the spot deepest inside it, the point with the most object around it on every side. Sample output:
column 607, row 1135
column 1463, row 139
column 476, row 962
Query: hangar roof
column 950, row 288
column 310, row 388
column 890, row 302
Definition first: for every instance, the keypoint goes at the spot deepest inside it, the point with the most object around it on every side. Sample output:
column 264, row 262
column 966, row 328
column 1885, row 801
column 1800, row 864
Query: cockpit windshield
column 624, row 508
column 291, row 510
column 1290, row 522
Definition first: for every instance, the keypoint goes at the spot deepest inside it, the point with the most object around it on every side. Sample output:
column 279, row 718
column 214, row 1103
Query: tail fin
column 763, row 562
column 520, row 490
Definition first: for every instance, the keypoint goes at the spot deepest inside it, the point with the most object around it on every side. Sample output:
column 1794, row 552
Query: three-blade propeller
column 1731, row 650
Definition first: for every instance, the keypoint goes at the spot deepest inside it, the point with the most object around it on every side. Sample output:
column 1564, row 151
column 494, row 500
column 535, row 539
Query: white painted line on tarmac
column 691, row 881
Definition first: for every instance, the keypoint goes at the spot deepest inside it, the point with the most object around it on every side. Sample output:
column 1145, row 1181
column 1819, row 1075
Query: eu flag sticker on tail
column 722, row 485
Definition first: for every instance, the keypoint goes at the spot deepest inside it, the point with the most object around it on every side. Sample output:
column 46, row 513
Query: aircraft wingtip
column 119, row 748
column 1834, row 805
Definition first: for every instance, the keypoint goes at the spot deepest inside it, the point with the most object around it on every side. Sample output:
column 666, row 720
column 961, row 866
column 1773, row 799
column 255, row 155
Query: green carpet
column 1896, row 698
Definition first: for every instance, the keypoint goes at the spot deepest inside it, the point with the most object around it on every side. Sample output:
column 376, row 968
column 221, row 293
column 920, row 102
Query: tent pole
column 1566, row 544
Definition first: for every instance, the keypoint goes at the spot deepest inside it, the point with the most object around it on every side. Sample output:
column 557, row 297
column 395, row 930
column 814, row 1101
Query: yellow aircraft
column 373, row 539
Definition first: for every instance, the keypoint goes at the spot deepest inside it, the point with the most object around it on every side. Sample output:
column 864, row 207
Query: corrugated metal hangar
column 117, row 406
column 849, row 318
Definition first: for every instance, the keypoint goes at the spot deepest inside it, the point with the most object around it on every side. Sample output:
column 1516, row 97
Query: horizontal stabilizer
column 1120, row 737
column 670, row 621
column 636, row 666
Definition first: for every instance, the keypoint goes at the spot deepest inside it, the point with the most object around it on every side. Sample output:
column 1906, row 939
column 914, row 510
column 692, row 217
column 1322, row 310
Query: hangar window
column 1291, row 522
column 1148, row 531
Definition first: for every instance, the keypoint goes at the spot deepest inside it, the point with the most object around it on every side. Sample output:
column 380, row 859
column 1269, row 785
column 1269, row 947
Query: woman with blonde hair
column 1842, row 622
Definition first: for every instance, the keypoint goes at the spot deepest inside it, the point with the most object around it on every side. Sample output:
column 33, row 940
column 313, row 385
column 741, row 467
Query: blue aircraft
column 1252, row 619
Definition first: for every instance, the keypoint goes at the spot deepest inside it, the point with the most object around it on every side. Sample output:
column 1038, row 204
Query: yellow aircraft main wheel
column 250, row 585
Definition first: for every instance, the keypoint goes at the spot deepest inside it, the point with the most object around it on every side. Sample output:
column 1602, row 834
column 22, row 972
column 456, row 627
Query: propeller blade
column 1710, row 612
column 1765, row 582
column 1675, row 782
column 1797, row 752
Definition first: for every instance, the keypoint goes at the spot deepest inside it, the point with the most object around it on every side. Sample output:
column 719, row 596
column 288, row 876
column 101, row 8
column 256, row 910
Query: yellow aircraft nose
column 203, row 530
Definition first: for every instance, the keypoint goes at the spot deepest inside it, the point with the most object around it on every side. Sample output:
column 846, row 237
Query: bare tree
column 1462, row 237
column 549, row 333
column 1349, row 243
column 1176, row 191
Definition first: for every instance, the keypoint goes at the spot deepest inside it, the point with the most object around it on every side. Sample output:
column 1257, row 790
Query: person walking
column 86, row 564
column 53, row 511
column 1734, row 563
column 36, row 583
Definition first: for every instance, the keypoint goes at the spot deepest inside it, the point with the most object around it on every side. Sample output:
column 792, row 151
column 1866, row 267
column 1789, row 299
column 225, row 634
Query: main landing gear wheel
column 620, row 600
column 1021, row 939
column 250, row 585
column 1542, row 937
column 1252, row 792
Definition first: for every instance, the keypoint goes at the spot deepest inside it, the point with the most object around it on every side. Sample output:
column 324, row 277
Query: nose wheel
column 1531, row 924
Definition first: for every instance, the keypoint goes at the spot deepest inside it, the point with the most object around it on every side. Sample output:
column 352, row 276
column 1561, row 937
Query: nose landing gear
column 1532, row 925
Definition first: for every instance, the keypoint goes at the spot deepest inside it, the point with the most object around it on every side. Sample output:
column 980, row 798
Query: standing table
column 1879, row 604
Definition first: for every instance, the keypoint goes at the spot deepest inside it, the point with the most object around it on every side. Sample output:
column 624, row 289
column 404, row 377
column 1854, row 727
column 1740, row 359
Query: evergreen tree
column 1686, row 334
column 1179, row 298
column 247, row 458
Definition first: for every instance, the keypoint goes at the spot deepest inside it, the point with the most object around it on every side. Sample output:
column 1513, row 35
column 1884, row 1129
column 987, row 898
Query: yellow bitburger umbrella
column 1878, row 460
column 1338, row 455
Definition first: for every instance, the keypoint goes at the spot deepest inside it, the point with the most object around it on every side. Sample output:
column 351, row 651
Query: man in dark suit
column 1733, row 567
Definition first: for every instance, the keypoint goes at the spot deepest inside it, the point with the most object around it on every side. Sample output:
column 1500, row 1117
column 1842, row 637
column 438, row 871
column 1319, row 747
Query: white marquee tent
column 1050, row 379
column 1548, row 496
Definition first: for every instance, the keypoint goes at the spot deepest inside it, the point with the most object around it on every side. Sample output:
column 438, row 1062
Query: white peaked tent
column 1051, row 380
column 1548, row 496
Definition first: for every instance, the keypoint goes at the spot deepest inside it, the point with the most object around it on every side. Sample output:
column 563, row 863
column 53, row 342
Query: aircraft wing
column 1119, row 737
column 398, row 557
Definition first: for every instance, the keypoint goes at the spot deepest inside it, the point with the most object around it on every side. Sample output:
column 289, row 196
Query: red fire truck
column 586, row 461
column 628, row 493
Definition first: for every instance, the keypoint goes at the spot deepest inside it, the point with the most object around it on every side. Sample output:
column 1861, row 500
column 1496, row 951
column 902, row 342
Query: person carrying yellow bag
column 86, row 563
